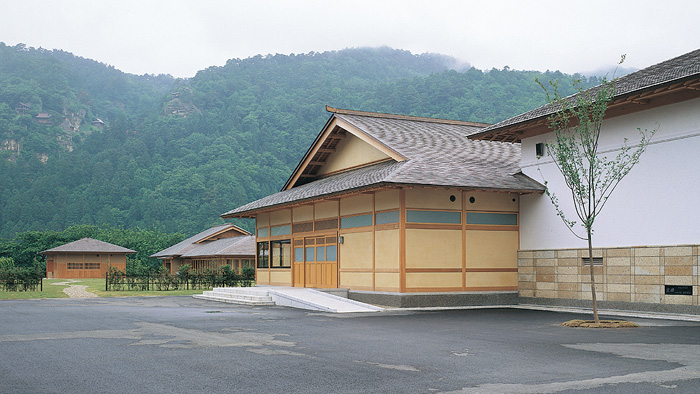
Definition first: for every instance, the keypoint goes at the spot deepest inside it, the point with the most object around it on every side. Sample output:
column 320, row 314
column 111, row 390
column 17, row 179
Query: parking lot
column 184, row 345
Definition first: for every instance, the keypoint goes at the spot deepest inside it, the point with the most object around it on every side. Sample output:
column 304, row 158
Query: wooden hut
column 225, row 244
column 84, row 258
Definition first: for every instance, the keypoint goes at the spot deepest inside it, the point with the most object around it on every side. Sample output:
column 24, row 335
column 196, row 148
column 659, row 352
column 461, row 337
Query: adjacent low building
column 217, row 246
column 647, row 237
column 84, row 258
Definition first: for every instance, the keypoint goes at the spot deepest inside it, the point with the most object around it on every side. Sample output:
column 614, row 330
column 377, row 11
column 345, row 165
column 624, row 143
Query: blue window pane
column 264, row 232
column 298, row 255
column 280, row 230
column 433, row 217
column 500, row 219
column 321, row 253
column 310, row 253
column 356, row 221
column 387, row 217
column 331, row 253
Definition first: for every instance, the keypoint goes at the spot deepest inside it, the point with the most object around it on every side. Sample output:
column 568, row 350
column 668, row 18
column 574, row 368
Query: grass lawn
column 97, row 286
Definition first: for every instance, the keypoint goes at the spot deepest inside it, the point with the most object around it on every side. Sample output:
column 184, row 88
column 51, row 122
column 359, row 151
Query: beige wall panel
column 387, row 280
column 262, row 220
column 303, row 214
column 433, row 249
column 492, row 249
column 386, row 253
column 491, row 279
column 433, row 198
column 351, row 152
column 281, row 276
column 355, row 279
column 283, row 216
column 326, row 210
column 388, row 199
column 356, row 204
column 488, row 201
column 356, row 251
column 262, row 277
column 433, row 279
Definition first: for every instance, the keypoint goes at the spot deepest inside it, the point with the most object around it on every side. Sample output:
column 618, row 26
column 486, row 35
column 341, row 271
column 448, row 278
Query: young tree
column 591, row 177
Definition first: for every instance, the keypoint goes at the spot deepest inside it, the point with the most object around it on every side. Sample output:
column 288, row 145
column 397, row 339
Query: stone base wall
column 631, row 274
column 422, row 300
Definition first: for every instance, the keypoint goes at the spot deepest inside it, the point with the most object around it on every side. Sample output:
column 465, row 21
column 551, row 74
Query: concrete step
column 247, row 296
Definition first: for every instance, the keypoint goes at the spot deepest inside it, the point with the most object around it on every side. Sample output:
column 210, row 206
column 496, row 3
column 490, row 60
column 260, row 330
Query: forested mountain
column 84, row 143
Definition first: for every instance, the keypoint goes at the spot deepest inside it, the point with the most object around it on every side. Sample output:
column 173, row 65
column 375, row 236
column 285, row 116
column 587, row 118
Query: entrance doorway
column 316, row 262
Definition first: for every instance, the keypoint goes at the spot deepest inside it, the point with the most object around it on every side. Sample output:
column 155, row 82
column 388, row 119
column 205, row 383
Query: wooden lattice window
column 327, row 224
column 92, row 266
column 75, row 266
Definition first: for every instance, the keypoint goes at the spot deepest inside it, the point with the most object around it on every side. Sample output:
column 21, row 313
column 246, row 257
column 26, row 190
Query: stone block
column 584, row 253
column 597, row 270
column 544, row 270
column 648, row 280
column 569, row 262
column 571, row 295
column 545, row 262
column 678, row 280
column 568, row 279
column 525, row 262
column 647, row 289
column 526, row 285
column 678, row 270
column 618, row 261
column 545, row 254
column 567, row 270
column 526, row 270
column 526, row 254
column 647, row 260
column 646, row 297
column 618, row 288
column 619, row 279
column 545, row 293
column 526, row 277
column 647, row 252
column 569, row 286
column 526, row 293
column 586, row 287
column 567, row 253
column 624, row 297
column 644, row 270
column 624, row 270
column 678, row 251
column 678, row 299
column 545, row 278
column 545, row 286
column 618, row 252
column 678, row 260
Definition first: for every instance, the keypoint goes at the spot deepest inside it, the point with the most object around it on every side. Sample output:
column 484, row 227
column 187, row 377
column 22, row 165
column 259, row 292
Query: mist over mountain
column 84, row 143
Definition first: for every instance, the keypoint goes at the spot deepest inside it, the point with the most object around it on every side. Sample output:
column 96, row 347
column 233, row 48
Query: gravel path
column 75, row 291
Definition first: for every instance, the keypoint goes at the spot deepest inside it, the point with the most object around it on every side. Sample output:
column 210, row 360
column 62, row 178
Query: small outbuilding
column 225, row 244
column 84, row 258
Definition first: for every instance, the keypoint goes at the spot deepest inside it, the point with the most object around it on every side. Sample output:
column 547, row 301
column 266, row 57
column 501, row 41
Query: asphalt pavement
column 185, row 345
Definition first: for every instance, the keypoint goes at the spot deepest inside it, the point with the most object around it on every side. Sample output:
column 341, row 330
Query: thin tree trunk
column 590, row 265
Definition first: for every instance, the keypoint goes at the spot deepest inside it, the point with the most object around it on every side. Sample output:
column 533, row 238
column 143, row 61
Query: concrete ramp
column 294, row 297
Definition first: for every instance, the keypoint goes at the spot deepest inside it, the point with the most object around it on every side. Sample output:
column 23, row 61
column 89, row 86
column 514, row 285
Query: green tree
column 592, row 177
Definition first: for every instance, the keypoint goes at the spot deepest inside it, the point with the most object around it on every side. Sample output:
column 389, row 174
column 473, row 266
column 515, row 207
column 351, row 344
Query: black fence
column 116, row 280
column 16, row 280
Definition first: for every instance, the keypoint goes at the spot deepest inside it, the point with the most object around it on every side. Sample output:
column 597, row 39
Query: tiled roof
column 182, row 247
column 670, row 71
column 88, row 245
column 438, row 154
column 190, row 247
column 232, row 246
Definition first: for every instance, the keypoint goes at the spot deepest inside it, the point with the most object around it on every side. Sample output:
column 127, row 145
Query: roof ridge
column 404, row 117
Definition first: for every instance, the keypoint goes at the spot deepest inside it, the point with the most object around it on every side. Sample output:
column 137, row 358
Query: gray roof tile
column 438, row 154
column 88, row 245
column 667, row 72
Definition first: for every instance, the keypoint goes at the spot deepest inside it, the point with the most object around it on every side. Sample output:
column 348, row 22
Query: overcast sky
column 180, row 37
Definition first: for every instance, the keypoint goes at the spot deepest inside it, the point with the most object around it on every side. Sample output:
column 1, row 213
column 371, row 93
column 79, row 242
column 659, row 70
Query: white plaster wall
column 658, row 203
